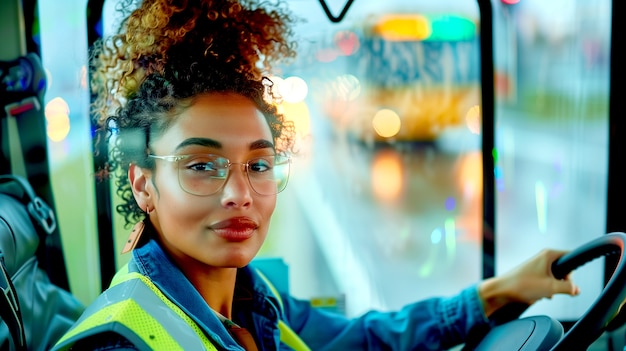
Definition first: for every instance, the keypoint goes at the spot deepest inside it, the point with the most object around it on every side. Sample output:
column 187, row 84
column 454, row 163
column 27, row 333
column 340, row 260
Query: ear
column 139, row 180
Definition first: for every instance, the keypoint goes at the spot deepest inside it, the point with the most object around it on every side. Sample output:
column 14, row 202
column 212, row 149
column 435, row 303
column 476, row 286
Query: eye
column 214, row 166
column 260, row 165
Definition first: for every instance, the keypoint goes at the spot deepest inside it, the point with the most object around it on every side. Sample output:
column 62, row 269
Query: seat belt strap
column 25, row 82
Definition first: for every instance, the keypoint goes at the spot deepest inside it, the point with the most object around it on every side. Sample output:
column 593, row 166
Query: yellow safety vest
column 135, row 319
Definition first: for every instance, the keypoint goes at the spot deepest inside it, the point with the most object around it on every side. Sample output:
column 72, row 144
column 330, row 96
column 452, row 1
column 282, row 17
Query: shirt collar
column 153, row 262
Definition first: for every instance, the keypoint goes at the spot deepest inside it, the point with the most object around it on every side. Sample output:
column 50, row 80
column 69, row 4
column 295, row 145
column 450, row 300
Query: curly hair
column 165, row 53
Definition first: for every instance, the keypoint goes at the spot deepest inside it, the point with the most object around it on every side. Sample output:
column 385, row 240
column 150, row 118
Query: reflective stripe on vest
column 287, row 335
column 173, row 331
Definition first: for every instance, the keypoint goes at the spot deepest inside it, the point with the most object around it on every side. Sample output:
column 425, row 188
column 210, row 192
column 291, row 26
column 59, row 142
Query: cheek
column 266, row 207
column 267, row 204
column 176, row 208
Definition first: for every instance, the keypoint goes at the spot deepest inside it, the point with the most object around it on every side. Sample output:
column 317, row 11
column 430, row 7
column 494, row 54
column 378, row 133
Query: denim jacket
column 433, row 324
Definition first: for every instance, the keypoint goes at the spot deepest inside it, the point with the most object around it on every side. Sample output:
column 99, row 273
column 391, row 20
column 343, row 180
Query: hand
column 527, row 283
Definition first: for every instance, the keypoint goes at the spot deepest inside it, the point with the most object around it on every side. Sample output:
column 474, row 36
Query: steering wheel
column 545, row 333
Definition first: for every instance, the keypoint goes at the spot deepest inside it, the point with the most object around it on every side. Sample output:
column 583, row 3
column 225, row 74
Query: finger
column 554, row 255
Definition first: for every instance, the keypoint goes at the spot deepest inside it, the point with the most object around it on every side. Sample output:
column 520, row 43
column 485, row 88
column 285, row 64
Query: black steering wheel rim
column 542, row 333
column 607, row 305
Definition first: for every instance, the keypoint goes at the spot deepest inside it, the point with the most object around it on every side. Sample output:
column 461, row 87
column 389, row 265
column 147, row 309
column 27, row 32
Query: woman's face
column 227, row 228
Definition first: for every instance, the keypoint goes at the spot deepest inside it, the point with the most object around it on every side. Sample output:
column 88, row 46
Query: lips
column 235, row 229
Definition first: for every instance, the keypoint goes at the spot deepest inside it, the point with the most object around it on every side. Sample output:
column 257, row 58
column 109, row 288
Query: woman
column 201, row 154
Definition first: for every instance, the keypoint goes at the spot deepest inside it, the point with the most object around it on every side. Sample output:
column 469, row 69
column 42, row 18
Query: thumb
column 565, row 286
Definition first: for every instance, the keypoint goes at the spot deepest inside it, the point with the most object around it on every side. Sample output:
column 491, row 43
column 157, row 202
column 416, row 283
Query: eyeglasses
column 206, row 174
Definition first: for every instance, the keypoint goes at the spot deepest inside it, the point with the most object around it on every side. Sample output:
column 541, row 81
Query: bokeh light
column 299, row 114
column 451, row 27
column 57, row 114
column 347, row 42
column 435, row 236
column 472, row 119
column 450, row 231
column 450, row 203
column 387, row 176
column 542, row 206
column 470, row 179
column 292, row 89
column 403, row 27
column 386, row 123
column 347, row 87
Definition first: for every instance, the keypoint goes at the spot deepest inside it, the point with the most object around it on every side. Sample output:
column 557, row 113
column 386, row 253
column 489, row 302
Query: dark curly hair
column 166, row 53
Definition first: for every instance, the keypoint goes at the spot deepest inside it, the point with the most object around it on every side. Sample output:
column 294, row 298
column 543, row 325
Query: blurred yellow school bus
column 414, row 76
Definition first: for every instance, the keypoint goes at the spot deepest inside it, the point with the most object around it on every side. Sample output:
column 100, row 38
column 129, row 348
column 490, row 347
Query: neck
column 216, row 286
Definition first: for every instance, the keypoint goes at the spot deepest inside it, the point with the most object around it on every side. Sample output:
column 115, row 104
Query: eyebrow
column 206, row 142
column 261, row 144
column 199, row 142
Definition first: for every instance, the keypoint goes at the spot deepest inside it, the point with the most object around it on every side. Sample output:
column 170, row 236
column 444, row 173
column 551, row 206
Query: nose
column 237, row 191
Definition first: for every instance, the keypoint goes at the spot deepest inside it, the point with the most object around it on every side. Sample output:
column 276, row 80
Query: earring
column 133, row 238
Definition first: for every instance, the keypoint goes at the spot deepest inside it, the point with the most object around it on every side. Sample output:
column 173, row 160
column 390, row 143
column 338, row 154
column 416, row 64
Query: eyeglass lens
column 206, row 174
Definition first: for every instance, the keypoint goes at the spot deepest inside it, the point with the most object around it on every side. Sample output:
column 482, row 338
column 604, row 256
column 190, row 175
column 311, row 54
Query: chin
column 238, row 261
column 237, row 256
